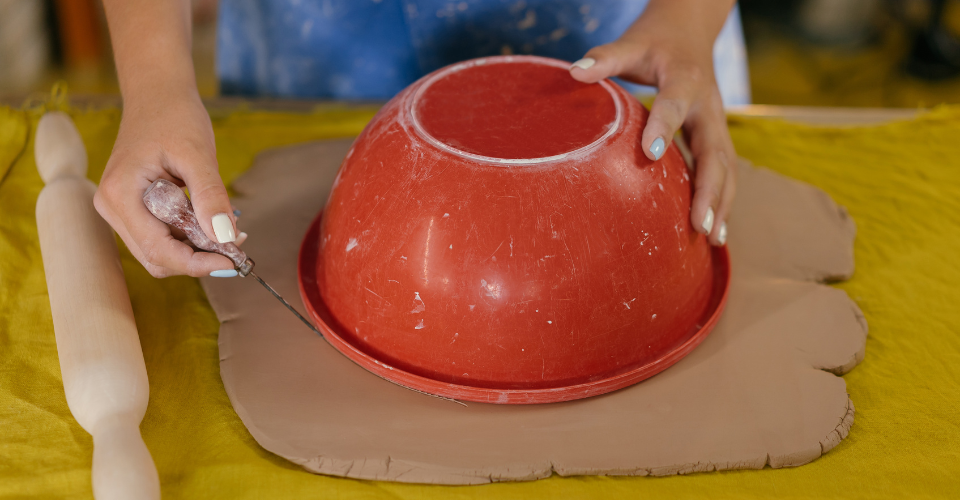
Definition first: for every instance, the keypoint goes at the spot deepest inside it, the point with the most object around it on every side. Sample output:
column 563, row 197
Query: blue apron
column 372, row 49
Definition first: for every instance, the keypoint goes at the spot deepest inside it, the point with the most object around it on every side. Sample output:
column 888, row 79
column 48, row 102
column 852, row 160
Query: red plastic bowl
column 496, row 234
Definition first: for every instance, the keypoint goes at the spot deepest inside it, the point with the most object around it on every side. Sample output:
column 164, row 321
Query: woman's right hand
column 166, row 137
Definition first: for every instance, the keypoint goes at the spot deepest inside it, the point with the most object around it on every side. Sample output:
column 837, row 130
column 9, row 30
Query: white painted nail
column 224, row 273
column 708, row 221
column 722, row 235
column 240, row 238
column 657, row 148
column 585, row 63
column 223, row 228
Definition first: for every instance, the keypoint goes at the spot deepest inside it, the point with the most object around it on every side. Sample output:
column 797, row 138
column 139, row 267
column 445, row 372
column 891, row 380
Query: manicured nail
column 236, row 213
column 224, row 273
column 657, row 148
column 708, row 221
column 722, row 235
column 241, row 238
column 585, row 63
column 223, row 228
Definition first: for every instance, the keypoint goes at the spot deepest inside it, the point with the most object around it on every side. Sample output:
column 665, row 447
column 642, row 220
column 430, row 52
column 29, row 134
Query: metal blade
column 285, row 303
column 294, row 311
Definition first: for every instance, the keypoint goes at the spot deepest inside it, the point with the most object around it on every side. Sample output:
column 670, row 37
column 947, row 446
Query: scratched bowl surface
column 496, row 234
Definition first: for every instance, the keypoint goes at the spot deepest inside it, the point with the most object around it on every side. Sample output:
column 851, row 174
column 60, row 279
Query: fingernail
column 708, row 221
column 223, row 228
column 585, row 63
column 224, row 273
column 722, row 235
column 236, row 213
column 657, row 148
column 241, row 238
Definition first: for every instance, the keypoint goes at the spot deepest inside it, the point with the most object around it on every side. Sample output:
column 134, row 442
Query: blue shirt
column 372, row 49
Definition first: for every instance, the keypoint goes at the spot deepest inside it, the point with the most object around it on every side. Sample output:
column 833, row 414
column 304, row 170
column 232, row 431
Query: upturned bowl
column 496, row 234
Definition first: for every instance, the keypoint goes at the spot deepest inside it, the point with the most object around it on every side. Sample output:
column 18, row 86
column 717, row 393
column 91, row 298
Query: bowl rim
column 410, row 109
column 307, row 262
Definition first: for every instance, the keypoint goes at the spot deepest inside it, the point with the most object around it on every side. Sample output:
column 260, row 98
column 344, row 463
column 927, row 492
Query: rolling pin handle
column 122, row 465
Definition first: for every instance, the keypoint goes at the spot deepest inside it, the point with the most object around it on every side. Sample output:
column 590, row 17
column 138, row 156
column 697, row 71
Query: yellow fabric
column 13, row 135
column 901, row 182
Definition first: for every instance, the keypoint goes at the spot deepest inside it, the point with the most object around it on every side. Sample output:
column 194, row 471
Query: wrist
column 159, row 96
column 154, row 81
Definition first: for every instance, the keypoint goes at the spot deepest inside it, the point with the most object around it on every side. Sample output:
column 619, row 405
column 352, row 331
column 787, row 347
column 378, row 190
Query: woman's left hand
column 671, row 47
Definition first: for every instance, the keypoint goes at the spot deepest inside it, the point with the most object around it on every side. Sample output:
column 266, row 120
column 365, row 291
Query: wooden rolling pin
column 104, row 377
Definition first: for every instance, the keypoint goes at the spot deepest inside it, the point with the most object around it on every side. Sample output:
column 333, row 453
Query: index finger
column 669, row 111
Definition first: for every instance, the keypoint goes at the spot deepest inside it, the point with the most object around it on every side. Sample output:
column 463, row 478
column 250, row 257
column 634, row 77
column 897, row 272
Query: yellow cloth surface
column 900, row 181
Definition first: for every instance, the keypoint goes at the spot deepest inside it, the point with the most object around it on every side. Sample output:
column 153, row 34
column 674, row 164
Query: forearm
column 151, row 45
column 700, row 20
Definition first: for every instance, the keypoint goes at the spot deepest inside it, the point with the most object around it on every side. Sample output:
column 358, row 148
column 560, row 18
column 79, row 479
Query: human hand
column 677, row 58
column 166, row 137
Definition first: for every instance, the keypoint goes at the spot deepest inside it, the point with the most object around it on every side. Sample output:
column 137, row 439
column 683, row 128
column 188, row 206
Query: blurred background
column 858, row 53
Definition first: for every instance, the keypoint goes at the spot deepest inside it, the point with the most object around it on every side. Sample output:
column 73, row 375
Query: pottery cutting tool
column 104, row 376
column 170, row 204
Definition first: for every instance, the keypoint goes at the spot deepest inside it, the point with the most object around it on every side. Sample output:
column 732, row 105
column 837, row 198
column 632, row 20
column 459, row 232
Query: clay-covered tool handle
column 168, row 203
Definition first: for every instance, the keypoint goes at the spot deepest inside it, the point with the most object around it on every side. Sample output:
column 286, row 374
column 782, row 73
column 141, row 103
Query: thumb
column 210, row 202
column 604, row 61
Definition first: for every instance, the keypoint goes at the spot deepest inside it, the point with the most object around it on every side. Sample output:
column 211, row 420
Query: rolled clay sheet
column 762, row 389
